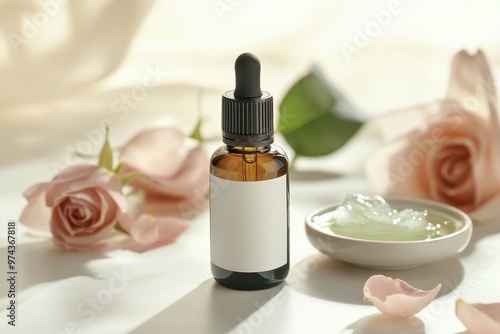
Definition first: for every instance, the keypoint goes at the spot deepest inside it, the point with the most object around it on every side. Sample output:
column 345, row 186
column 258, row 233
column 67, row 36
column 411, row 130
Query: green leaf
column 196, row 134
column 106, row 155
column 315, row 118
column 118, row 168
column 130, row 176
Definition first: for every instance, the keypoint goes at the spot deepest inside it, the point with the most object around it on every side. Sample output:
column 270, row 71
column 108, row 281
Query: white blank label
column 248, row 224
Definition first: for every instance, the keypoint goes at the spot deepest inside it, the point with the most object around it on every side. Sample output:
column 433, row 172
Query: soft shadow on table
column 209, row 308
column 478, row 233
column 379, row 323
column 42, row 262
column 382, row 324
column 322, row 277
column 130, row 244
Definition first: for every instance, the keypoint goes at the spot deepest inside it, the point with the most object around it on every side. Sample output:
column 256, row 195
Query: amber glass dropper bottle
column 249, row 191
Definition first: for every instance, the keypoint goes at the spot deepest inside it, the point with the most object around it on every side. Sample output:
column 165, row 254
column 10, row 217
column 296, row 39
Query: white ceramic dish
column 391, row 255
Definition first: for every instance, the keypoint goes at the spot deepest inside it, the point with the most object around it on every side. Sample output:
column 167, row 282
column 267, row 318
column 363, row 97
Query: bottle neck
column 247, row 149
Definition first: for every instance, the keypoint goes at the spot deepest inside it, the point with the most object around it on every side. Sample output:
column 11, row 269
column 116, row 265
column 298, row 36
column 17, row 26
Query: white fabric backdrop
column 64, row 65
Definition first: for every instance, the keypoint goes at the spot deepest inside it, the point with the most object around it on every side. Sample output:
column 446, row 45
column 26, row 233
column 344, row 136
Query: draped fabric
column 68, row 67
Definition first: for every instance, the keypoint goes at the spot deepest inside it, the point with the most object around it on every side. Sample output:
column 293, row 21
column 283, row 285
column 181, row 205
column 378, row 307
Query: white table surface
column 50, row 95
column 170, row 289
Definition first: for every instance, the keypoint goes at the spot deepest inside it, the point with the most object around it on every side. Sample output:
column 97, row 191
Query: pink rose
column 80, row 206
column 448, row 151
column 177, row 165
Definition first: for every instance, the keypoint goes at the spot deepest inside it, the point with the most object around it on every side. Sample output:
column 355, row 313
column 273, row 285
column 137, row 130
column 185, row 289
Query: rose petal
column 495, row 135
column 145, row 229
column 479, row 318
column 170, row 228
column 469, row 72
column 190, row 178
column 35, row 190
column 107, row 211
column 395, row 297
column 398, row 124
column 87, row 202
column 95, row 177
column 73, row 173
column 452, row 166
column 149, row 229
column 391, row 174
column 178, row 170
column 150, row 149
column 36, row 214
column 487, row 212
column 59, row 221
column 184, row 207
column 81, row 241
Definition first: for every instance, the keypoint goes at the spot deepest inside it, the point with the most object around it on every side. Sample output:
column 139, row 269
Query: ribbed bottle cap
column 247, row 112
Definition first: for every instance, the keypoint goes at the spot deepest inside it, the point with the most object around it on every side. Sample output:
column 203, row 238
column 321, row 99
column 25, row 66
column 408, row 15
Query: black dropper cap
column 247, row 112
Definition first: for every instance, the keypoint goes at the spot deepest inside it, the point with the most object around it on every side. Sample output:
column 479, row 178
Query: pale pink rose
column 479, row 318
column 80, row 206
column 447, row 151
column 177, row 165
column 395, row 297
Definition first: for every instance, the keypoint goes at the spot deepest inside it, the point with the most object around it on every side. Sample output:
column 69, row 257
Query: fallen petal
column 158, row 230
column 395, row 297
column 479, row 318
